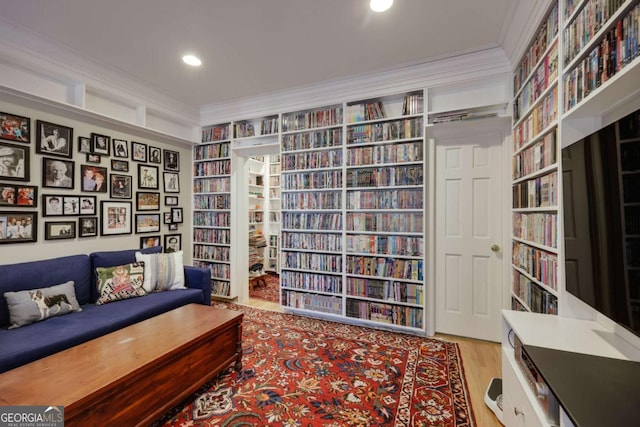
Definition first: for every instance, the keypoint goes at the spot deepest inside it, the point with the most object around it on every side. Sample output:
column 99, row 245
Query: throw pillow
column 120, row 282
column 34, row 305
column 162, row 272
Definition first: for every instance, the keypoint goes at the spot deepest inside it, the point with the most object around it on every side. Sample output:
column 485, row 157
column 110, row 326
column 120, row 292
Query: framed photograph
column 154, row 155
column 93, row 158
column 84, row 145
column 15, row 128
column 18, row 227
column 121, row 186
column 63, row 205
column 171, row 182
column 147, row 201
column 148, row 177
column 14, row 162
column 173, row 227
column 120, row 148
column 19, row 196
column 171, row 200
column 57, row 173
column 71, row 205
column 87, row 205
column 149, row 241
column 138, row 151
column 100, row 144
column 147, row 223
column 59, row 230
column 176, row 215
column 53, row 139
column 94, row 178
column 171, row 161
column 116, row 218
column 172, row 242
column 88, row 226
column 119, row 165
column 167, row 217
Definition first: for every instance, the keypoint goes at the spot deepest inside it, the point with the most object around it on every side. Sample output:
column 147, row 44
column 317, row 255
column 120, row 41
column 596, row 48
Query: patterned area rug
column 268, row 292
column 305, row 372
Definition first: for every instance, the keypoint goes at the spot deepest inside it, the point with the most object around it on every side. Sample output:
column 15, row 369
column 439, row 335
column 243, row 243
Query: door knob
column 495, row 248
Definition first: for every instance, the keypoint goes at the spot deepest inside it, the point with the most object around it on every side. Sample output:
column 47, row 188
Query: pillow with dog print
column 34, row 305
column 120, row 282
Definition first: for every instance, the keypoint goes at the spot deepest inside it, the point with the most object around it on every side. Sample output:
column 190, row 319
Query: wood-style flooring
column 481, row 361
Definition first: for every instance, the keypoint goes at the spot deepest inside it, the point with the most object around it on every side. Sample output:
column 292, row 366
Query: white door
column 468, row 228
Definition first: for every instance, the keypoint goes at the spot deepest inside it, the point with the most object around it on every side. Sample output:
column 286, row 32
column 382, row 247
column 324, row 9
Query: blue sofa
column 31, row 342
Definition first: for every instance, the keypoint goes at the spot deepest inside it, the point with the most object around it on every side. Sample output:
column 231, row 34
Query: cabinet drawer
column 517, row 407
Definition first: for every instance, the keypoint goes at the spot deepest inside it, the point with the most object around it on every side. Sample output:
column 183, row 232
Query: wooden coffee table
column 134, row 375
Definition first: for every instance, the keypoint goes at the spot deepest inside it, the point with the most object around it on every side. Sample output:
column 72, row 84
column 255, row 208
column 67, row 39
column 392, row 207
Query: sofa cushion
column 120, row 282
column 34, row 305
column 162, row 272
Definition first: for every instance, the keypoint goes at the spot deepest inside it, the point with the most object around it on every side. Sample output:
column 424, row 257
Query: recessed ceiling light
column 380, row 5
column 192, row 60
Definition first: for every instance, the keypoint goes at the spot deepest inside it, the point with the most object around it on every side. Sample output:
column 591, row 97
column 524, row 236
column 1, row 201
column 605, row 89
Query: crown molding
column 526, row 17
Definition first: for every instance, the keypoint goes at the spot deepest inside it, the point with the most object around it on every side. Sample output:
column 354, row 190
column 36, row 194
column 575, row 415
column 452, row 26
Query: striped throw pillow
column 162, row 272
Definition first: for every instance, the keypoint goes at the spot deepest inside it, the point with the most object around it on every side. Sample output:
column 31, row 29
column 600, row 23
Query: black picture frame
column 147, row 223
column 116, row 218
column 119, row 165
column 67, row 205
column 172, row 243
column 147, row 200
column 173, row 227
column 120, row 148
column 88, row 226
column 94, row 158
column 148, row 177
column 176, row 216
column 100, row 144
column 84, row 145
column 167, row 218
column 58, row 173
column 155, row 155
column 171, row 182
column 18, row 155
column 121, row 186
column 53, row 139
column 171, row 200
column 171, row 161
column 95, row 179
column 138, row 152
column 18, row 227
column 149, row 241
column 59, row 230
column 87, row 205
column 15, row 128
column 18, row 196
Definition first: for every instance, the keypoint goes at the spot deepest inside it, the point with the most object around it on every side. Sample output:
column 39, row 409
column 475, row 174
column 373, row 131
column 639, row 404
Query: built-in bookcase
column 212, row 206
column 275, row 215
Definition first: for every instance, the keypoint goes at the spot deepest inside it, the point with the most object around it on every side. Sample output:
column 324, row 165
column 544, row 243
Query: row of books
column 387, row 131
column 616, row 50
column 570, row 6
column 538, row 228
column 539, row 264
column 212, row 201
column 312, row 160
column 212, row 235
column 537, row 119
column 413, row 104
column 312, row 180
column 586, row 23
column 370, row 110
column 407, row 222
column 216, row 133
column 631, row 188
column 536, row 193
column 385, row 199
column 274, row 168
column 543, row 39
column 312, row 200
column 386, row 290
column 386, row 153
column 311, row 281
column 632, row 247
column 540, row 80
column 311, row 221
column 273, row 240
column 535, row 297
column 409, row 269
column 385, row 176
column 632, row 219
column 212, row 219
column 273, row 252
column 214, row 253
column 269, row 126
column 385, row 245
column 274, row 181
column 313, row 302
column 210, row 168
column 537, row 157
column 312, row 241
column 274, row 216
column 312, row 119
column 312, row 140
column 211, row 151
column 385, row 313
column 212, row 185
column 310, row 261
column 517, row 305
column 630, row 154
column 256, row 217
column 218, row 271
column 219, row 287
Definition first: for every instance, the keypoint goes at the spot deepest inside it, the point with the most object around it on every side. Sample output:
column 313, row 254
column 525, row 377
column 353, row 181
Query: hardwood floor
column 481, row 361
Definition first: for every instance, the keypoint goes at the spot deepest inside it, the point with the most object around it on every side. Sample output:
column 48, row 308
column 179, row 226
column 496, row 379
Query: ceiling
column 255, row 47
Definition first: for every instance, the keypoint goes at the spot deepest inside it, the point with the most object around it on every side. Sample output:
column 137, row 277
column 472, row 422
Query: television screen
column 601, row 201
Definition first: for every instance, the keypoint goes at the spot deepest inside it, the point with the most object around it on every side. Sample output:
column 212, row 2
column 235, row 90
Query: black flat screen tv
column 601, row 203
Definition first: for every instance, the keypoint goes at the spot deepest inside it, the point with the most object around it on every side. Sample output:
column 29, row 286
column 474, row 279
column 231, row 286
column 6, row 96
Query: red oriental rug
column 304, row 372
column 270, row 291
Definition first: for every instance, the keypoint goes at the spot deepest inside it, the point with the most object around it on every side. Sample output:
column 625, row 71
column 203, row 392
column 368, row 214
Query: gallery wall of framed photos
column 69, row 186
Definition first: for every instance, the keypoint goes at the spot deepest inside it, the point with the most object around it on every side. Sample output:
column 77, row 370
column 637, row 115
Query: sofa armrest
column 199, row 278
